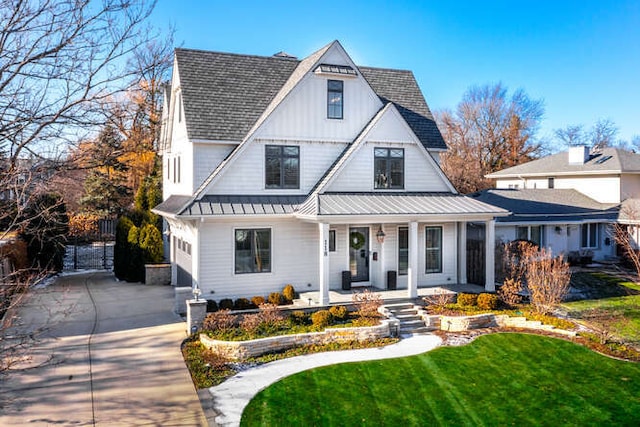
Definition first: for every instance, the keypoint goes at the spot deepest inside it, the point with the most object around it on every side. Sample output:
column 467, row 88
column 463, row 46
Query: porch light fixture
column 196, row 292
column 380, row 235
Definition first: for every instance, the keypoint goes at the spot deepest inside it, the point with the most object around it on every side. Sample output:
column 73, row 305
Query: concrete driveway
column 111, row 354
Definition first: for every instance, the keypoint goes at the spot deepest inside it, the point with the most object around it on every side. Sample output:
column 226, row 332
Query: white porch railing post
column 323, row 264
column 490, row 256
column 412, row 271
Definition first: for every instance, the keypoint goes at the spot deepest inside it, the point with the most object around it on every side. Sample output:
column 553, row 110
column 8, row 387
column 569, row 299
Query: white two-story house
column 315, row 172
column 568, row 201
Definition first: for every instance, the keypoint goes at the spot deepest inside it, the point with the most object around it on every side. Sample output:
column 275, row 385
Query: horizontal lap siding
column 294, row 256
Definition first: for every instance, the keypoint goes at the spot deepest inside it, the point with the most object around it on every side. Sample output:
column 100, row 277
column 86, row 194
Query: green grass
column 620, row 315
column 500, row 379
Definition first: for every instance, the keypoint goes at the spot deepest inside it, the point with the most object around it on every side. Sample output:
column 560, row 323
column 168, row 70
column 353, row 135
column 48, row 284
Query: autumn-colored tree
column 490, row 130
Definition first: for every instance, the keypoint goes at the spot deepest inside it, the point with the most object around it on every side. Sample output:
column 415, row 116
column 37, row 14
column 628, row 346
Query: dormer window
column 388, row 168
column 335, row 100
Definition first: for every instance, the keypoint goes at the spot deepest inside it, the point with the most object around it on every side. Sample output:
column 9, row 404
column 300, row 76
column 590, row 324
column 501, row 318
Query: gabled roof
column 548, row 205
column 225, row 94
column 607, row 161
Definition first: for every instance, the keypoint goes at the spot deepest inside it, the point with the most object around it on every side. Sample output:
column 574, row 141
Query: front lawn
column 499, row 379
column 616, row 315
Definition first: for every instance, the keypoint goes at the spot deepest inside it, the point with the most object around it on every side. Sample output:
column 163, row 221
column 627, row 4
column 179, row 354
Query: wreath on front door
column 356, row 240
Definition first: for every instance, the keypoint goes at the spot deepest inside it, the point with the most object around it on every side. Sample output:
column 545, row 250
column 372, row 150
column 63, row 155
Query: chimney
column 578, row 155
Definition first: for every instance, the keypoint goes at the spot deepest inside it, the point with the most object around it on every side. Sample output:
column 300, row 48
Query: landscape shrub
column 299, row 317
column 548, row 280
column 467, row 300
column 251, row 322
column 339, row 312
column 271, row 313
column 258, row 301
column 289, row 293
column 509, row 292
column 211, row 306
column 221, row 320
column 487, row 301
column 438, row 301
column 243, row 304
column 225, row 304
column 367, row 303
column 275, row 298
column 321, row 319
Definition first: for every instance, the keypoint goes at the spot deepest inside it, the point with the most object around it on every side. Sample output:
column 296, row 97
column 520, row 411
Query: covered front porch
column 340, row 297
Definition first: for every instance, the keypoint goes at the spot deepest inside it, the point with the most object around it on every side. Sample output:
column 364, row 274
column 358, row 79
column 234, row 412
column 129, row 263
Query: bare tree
column 626, row 234
column 602, row 134
column 489, row 130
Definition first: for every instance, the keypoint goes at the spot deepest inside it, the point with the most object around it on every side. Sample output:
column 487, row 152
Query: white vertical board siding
column 246, row 174
column 303, row 113
column 206, row 158
column 449, row 257
column 420, row 174
column 294, row 259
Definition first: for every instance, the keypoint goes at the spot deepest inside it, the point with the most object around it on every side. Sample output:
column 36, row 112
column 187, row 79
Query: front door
column 359, row 253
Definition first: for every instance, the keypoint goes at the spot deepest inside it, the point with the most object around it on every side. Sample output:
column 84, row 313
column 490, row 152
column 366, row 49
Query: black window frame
column 258, row 264
column 332, row 240
column 530, row 233
column 437, row 249
column 592, row 233
column 335, row 99
column 281, row 159
column 386, row 180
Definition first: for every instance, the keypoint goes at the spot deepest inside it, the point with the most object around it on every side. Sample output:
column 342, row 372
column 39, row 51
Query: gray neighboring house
column 569, row 201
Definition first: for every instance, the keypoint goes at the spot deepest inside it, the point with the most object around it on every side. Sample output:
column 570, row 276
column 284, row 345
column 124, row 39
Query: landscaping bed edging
column 242, row 350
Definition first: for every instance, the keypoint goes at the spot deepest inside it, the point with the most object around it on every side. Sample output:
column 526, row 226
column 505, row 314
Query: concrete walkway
column 231, row 397
column 111, row 356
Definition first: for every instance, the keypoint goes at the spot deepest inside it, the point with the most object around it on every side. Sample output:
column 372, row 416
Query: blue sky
column 582, row 58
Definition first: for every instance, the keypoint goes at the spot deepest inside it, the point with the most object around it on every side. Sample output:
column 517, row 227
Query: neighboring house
column 568, row 201
column 314, row 172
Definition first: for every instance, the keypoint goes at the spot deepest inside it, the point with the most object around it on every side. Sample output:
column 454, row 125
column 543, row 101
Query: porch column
column 462, row 252
column 412, row 270
column 490, row 255
column 323, row 263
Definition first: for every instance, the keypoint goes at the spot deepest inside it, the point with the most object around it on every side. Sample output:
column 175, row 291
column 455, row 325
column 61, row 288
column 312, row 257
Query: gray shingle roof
column 618, row 161
column 547, row 205
column 225, row 94
column 423, row 204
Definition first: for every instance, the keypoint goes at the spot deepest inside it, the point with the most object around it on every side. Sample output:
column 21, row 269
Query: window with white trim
column 403, row 251
column 252, row 250
column 532, row 233
column 589, row 235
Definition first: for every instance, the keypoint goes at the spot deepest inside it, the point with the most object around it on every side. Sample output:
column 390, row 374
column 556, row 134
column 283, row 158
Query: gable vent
column 342, row 70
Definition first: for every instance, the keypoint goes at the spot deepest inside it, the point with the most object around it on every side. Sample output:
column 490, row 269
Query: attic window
column 343, row 70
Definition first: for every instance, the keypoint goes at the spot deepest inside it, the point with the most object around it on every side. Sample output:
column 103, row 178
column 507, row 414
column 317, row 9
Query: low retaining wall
column 157, row 274
column 242, row 350
column 465, row 323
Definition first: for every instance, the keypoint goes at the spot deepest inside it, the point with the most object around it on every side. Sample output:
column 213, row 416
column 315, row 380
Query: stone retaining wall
column 242, row 350
column 157, row 274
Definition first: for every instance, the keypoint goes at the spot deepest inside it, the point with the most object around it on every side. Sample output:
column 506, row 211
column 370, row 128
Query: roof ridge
column 244, row 55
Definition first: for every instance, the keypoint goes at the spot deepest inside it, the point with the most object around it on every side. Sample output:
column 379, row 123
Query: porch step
column 410, row 321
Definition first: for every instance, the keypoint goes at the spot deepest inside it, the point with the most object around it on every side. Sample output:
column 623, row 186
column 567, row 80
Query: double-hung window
column 282, row 166
column 388, row 168
column 403, row 251
column 532, row 233
column 252, row 250
column 433, row 250
column 589, row 234
column 335, row 99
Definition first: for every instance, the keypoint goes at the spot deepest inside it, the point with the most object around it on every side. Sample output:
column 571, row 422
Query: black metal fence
column 92, row 252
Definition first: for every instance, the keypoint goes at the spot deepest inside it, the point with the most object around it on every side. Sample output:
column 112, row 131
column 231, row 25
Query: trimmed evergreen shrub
column 242, row 304
column 225, row 304
column 289, row 293
column 258, row 300
column 321, row 319
column 339, row 312
column 211, row 306
column 467, row 300
column 487, row 301
column 299, row 317
column 276, row 298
